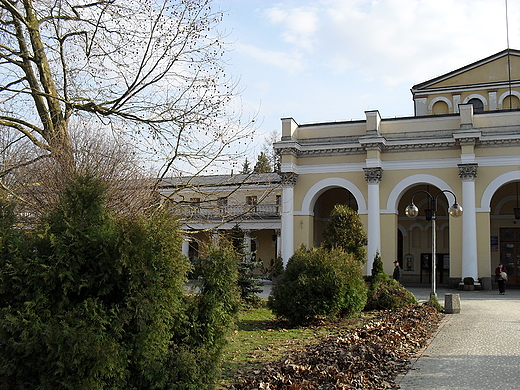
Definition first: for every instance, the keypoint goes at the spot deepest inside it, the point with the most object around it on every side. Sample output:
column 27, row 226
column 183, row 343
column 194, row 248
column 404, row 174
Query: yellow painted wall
column 483, row 244
column 388, row 250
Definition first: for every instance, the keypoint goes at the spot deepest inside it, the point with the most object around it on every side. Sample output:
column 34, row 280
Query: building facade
column 462, row 144
column 211, row 205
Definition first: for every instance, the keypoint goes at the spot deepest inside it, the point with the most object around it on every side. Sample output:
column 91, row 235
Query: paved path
column 479, row 348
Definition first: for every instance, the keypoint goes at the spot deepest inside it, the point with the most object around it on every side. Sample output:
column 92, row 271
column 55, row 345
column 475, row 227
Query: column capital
column 468, row 172
column 289, row 178
column 373, row 175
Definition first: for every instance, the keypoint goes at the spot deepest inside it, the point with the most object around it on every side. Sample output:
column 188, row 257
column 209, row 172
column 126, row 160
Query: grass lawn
column 260, row 338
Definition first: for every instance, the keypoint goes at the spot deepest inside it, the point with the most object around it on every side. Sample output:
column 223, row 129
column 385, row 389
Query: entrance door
column 510, row 253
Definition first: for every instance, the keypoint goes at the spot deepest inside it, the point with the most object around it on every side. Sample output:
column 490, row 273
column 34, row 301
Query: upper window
column 511, row 102
column 478, row 106
column 222, row 202
column 440, row 108
column 251, row 200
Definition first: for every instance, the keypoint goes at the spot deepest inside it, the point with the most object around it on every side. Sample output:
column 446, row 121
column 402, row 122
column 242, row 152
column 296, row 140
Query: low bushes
column 319, row 283
column 385, row 293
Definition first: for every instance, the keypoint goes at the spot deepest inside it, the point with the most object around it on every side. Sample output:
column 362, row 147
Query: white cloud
column 402, row 41
column 408, row 40
column 299, row 25
column 292, row 62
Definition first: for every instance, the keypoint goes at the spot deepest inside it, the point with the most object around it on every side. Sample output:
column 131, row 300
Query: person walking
column 397, row 271
column 501, row 278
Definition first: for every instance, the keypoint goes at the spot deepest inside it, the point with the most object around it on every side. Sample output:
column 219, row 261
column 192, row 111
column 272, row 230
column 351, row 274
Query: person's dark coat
column 397, row 272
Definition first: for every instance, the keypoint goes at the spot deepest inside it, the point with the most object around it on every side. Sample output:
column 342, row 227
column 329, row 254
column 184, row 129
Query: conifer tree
column 262, row 165
column 345, row 230
column 245, row 167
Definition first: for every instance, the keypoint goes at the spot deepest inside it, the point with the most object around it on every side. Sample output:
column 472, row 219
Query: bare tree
column 270, row 152
column 37, row 185
column 150, row 71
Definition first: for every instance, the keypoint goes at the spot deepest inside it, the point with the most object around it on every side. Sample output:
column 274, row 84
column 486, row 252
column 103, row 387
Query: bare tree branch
column 153, row 72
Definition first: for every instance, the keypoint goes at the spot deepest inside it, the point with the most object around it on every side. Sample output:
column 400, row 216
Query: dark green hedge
column 319, row 283
column 92, row 301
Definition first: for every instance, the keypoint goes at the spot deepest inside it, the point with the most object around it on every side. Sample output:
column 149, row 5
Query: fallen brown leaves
column 369, row 357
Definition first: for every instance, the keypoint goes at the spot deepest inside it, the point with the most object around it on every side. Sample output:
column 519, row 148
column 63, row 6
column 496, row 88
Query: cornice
column 332, row 151
column 399, row 145
column 418, row 145
column 458, row 89
column 495, row 141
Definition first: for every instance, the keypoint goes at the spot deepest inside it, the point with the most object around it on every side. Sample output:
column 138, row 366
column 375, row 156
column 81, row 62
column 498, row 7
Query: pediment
column 497, row 69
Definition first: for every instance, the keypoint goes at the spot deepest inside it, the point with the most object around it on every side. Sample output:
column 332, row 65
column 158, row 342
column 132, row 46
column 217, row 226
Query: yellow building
column 463, row 142
column 210, row 205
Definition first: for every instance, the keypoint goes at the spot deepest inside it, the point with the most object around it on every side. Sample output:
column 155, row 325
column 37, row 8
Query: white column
column 287, row 238
column 373, row 178
column 186, row 245
column 468, row 174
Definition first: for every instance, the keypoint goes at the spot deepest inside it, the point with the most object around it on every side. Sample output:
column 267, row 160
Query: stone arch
column 410, row 181
column 320, row 187
column 476, row 96
column 506, row 94
column 440, row 99
column 485, row 202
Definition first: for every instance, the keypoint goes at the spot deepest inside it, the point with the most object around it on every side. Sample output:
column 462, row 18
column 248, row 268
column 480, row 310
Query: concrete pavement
column 479, row 348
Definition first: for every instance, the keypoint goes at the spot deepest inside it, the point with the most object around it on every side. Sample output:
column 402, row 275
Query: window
column 251, row 200
column 195, row 200
column 440, row 108
column 511, row 102
column 193, row 250
column 222, row 202
column 478, row 106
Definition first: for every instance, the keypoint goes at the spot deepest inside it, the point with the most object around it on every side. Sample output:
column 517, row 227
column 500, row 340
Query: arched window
column 439, row 108
column 511, row 102
column 478, row 106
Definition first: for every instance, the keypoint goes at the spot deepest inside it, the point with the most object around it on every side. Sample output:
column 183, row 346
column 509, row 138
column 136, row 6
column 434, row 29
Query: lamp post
column 412, row 211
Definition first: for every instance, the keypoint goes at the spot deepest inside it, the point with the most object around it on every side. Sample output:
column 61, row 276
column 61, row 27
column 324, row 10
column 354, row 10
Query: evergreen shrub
column 385, row 293
column 319, row 283
column 93, row 301
column 195, row 356
column 248, row 283
column 344, row 230
column 434, row 302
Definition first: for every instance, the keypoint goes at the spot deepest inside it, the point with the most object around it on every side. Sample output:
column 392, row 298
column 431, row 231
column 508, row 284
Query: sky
column 331, row 60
